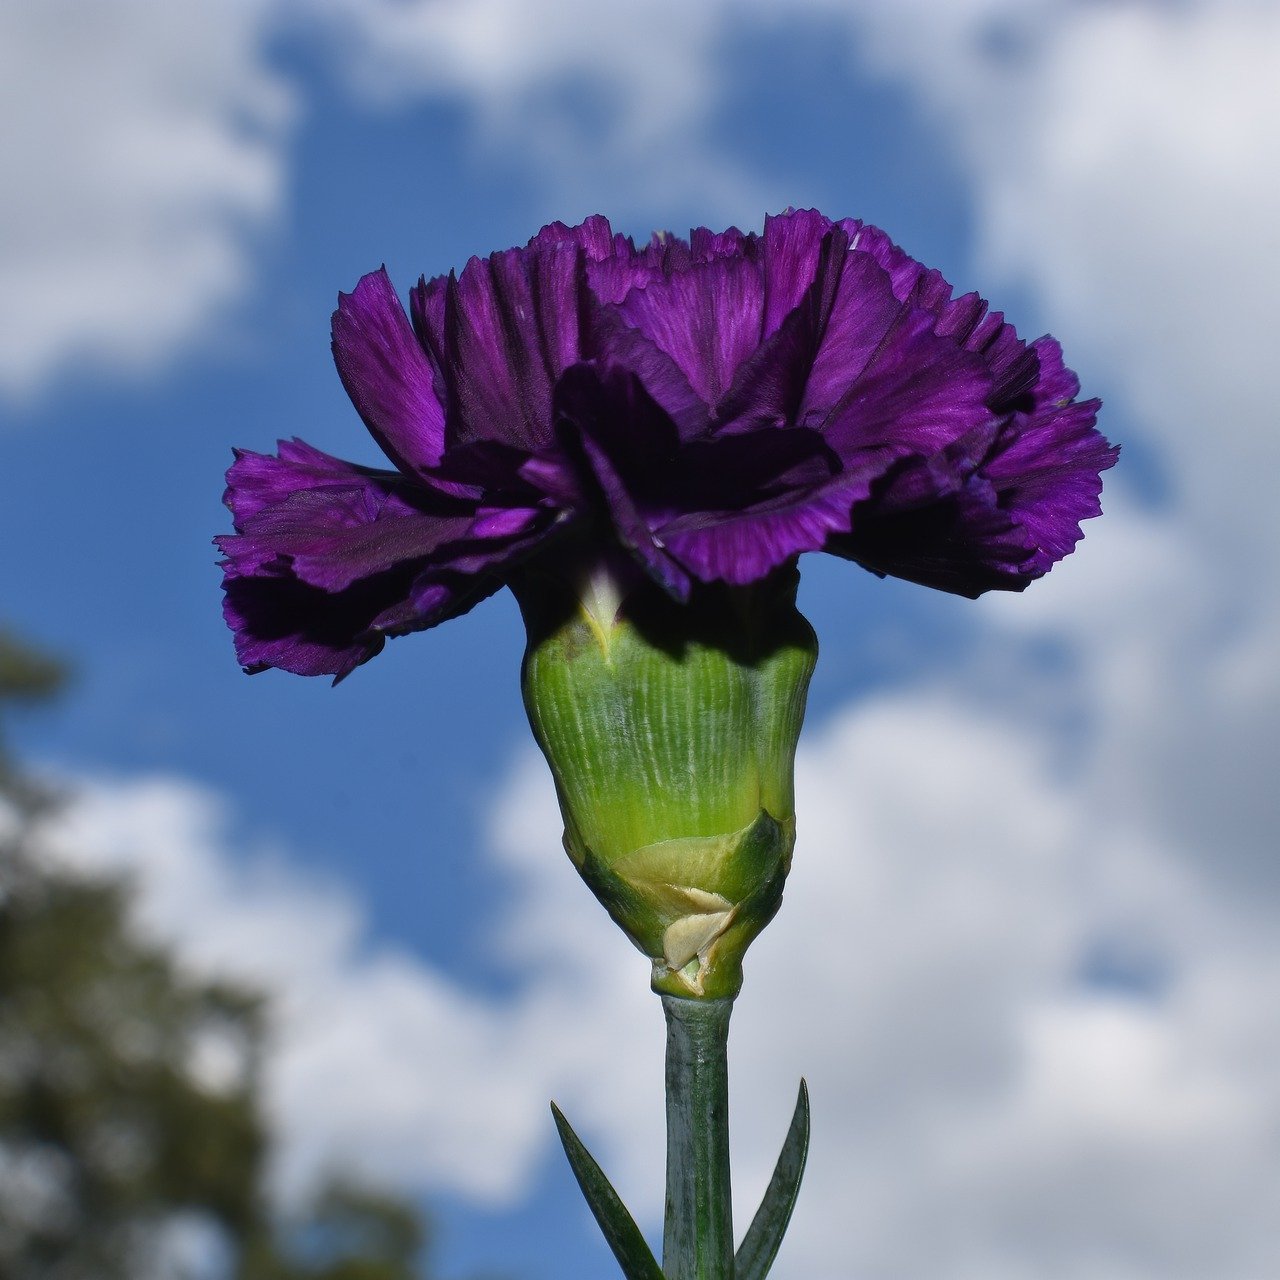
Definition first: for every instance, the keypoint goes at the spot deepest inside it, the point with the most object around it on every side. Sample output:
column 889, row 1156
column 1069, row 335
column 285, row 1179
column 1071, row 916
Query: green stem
column 697, row 1242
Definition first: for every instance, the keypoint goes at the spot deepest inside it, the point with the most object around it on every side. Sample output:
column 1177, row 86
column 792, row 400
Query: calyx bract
column 671, row 733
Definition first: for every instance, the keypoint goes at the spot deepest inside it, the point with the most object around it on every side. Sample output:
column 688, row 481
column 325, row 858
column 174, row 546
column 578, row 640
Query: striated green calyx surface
column 671, row 734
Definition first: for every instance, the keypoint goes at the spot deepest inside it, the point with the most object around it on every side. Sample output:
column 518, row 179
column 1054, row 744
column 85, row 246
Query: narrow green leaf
column 629, row 1246
column 760, row 1245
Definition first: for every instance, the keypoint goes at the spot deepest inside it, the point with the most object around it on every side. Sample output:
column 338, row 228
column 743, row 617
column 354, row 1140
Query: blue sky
column 1030, row 938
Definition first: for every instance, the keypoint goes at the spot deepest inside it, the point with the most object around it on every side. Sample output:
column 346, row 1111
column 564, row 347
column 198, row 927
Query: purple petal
column 429, row 601
column 791, row 247
column 742, row 546
column 483, row 556
column 484, row 469
column 727, row 508
column 770, row 387
column 1014, row 366
column 738, row 469
column 629, row 447
column 554, row 476
column 1057, row 385
column 427, row 304
column 334, row 523
column 327, row 556
column 854, row 360
column 594, row 236
column 912, row 281
column 938, row 522
column 613, row 341
column 387, row 374
column 612, row 277
column 464, row 573
column 708, row 246
column 1048, row 478
column 511, row 327
column 332, row 540
column 258, row 480
column 916, row 392
column 1047, row 464
column 867, row 328
column 707, row 319
column 281, row 622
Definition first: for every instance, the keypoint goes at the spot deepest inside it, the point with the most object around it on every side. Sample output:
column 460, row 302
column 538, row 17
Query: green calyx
column 671, row 734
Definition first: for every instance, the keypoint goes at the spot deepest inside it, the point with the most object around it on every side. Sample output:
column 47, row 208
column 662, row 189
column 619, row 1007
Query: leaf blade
column 629, row 1247
column 760, row 1245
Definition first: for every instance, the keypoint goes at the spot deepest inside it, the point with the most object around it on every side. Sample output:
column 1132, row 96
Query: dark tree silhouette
column 130, row 1111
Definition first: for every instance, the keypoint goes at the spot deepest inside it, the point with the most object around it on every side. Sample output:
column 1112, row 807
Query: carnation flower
column 705, row 410
column 641, row 443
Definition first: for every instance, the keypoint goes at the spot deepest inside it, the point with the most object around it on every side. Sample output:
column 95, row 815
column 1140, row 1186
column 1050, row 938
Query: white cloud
column 1128, row 167
column 147, row 144
column 1125, row 163
column 592, row 98
column 950, row 897
column 142, row 151
column 378, row 1061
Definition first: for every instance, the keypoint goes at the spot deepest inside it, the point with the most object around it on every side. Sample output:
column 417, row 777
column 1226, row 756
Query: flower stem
column 697, row 1242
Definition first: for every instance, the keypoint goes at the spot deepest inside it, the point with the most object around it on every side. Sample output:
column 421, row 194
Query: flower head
column 710, row 409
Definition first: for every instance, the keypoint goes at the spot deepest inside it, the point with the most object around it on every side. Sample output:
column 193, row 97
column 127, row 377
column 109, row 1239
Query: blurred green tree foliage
column 132, row 1140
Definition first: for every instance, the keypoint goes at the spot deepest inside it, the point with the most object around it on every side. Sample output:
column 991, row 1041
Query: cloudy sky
column 1030, row 955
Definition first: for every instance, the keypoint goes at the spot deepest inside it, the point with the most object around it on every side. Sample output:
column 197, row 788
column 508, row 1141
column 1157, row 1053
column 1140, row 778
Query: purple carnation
column 713, row 406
